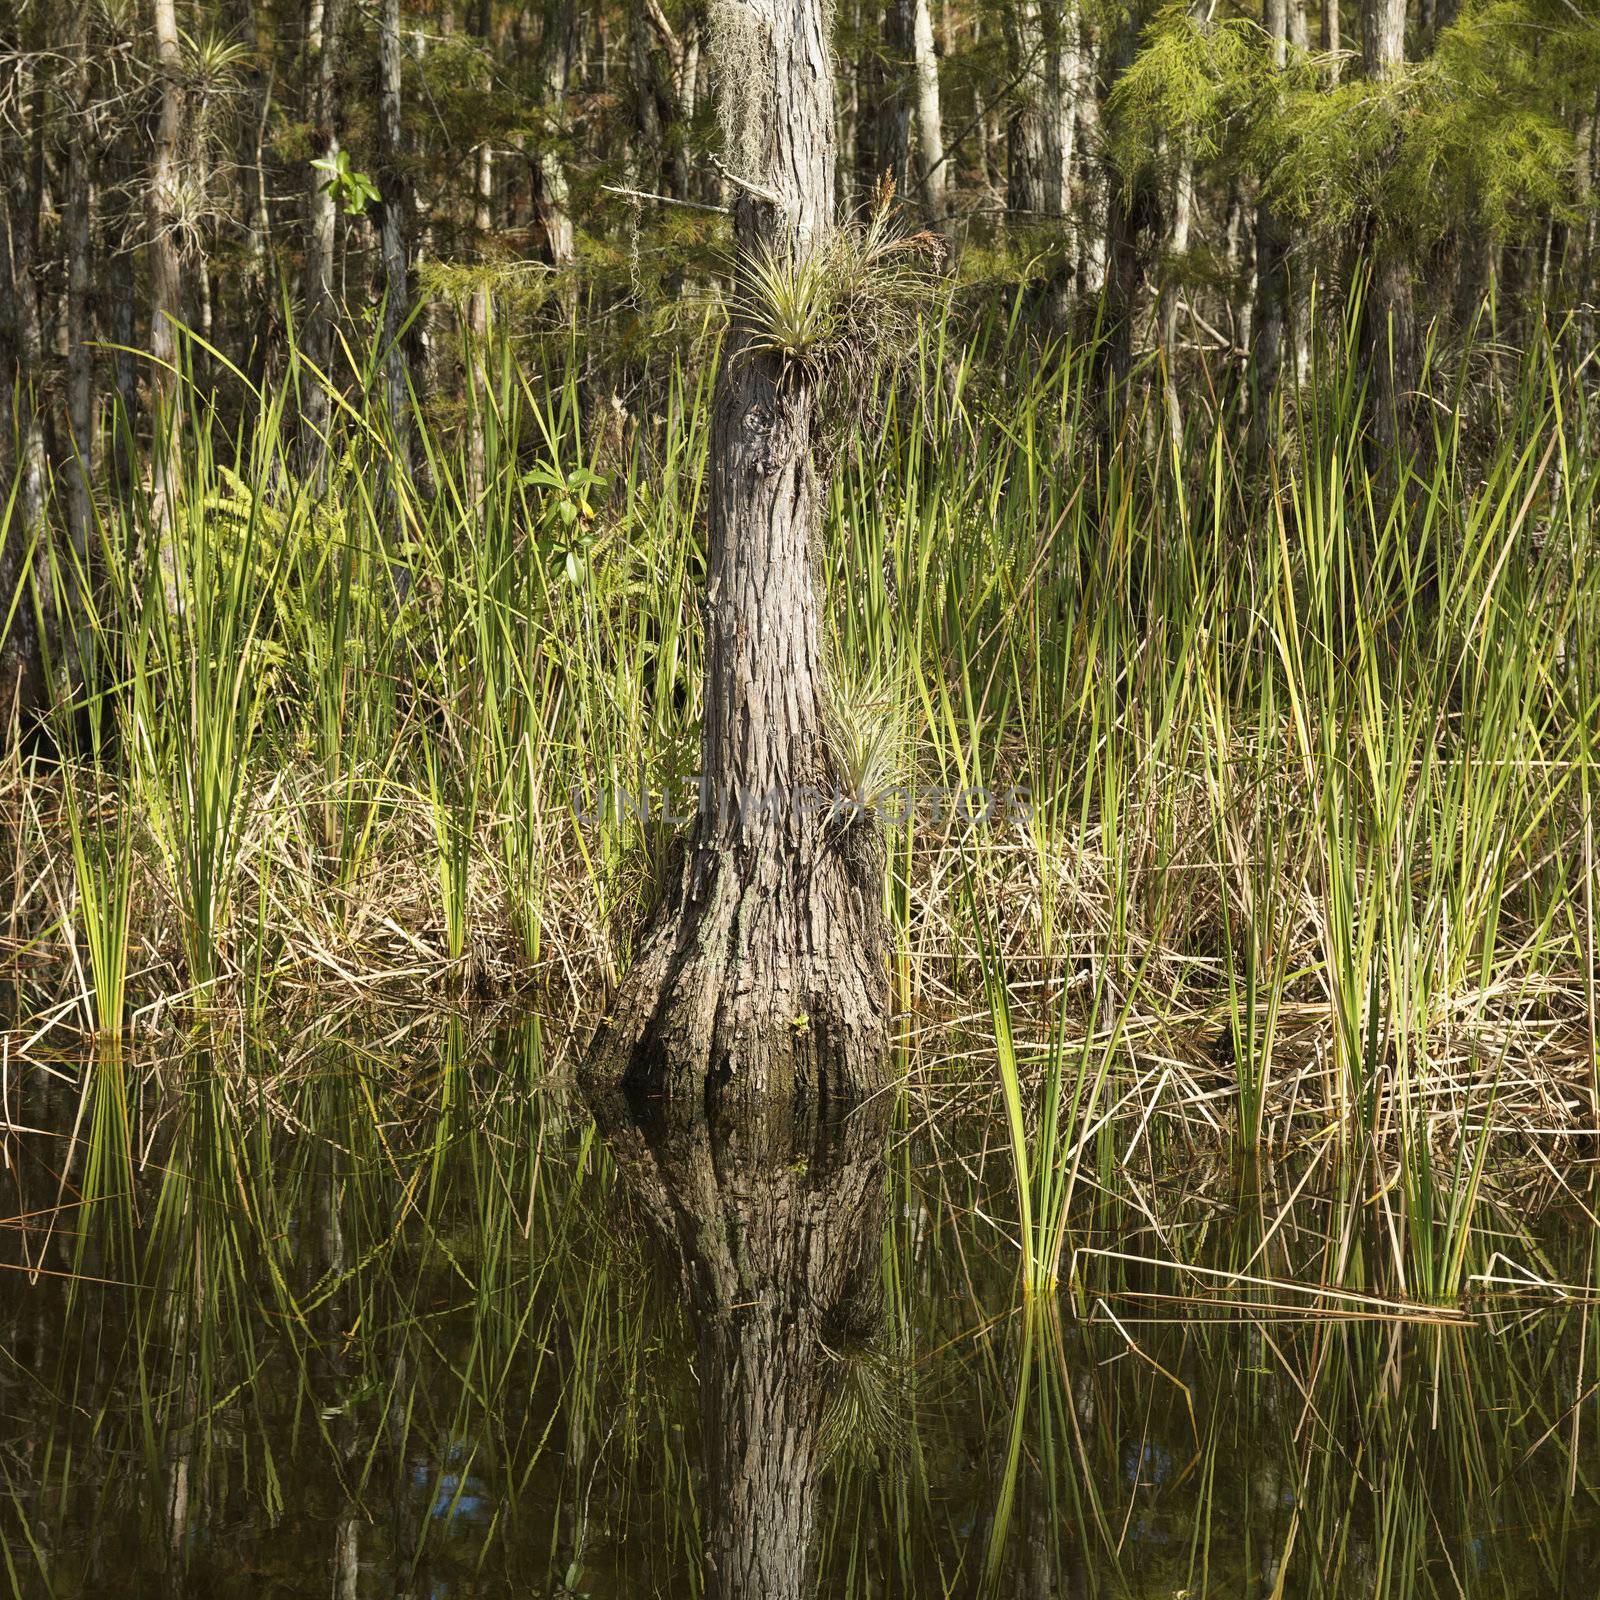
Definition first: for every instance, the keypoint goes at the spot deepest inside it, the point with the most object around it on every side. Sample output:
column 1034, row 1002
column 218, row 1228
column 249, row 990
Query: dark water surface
column 414, row 1319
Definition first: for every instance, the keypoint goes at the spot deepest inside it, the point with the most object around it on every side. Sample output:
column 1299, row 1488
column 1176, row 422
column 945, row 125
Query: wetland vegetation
column 1109, row 1108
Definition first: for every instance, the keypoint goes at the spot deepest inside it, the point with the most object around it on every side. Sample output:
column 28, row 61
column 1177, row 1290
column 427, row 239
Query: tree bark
column 1270, row 316
column 763, row 971
column 24, row 686
column 397, row 204
column 323, row 23
column 551, row 194
column 1089, row 159
column 1588, row 253
column 1389, row 327
column 1180, row 222
column 1181, row 219
column 480, row 307
column 260, row 288
column 894, row 100
column 166, row 292
column 930, row 169
column 1042, row 41
column 911, row 102
column 80, row 354
column 1134, row 232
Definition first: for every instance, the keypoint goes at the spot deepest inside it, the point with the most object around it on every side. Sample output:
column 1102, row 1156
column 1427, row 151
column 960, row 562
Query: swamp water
column 410, row 1319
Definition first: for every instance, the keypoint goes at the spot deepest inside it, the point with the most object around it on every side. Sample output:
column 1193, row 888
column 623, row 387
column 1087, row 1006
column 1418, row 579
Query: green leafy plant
column 352, row 191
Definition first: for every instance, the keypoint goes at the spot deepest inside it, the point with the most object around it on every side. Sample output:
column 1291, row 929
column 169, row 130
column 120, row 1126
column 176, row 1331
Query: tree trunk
column 1589, row 251
column 80, row 352
column 323, row 24
column 1389, row 328
column 1041, row 42
column 773, row 1225
column 911, row 101
column 894, row 100
column 1298, row 270
column 261, row 292
column 1134, row 232
column 1331, row 39
column 1180, row 222
column 1270, row 316
column 642, row 144
column 397, row 204
column 1042, row 46
column 869, row 160
column 929, row 167
column 24, row 687
column 551, row 195
column 1092, row 219
column 125, row 232
column 166, row 293
column 763, row 970
column 480, row 307
column 1170, row 300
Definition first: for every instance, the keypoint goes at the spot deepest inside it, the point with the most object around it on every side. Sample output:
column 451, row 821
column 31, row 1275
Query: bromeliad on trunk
column 775, row 910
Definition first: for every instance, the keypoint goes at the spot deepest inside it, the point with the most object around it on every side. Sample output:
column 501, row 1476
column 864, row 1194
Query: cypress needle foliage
column 1478, row 133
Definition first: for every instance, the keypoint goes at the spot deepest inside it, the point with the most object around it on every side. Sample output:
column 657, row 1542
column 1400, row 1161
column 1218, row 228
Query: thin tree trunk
column 1298, row 269
column 23, row 684
column 1389, row 330
column 1170, row 300
column 911, row 102
column 324, row 21
column 551, row 194
column 480, row 308
column 124, row 232
column 260, row 290
column 1588, row 286
column 1271, row 298
column 1042, row 46
column 397, row 206
column 1039, row 135
column 80, row 353
column 32, row 455
column 1180, row 222
column 894, row 99
column 671, row 80
column 763, row 972
column 850, row 107
column 1092, row 220
column 870, row 160
column 1134, row 233
column 166, row 293
column 424, row 333
column 1332, row 42
column 930, row 169
column 642, row 145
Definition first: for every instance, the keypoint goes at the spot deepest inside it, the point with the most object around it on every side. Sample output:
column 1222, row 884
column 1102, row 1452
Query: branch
column 754, row 190
column 662, row 199
column 669, row 42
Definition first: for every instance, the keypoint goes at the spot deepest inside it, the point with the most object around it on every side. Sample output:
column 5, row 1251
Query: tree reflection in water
column 773, row 1223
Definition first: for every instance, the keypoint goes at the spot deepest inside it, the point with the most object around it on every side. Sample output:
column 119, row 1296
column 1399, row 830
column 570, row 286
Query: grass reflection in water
column 407, row 1320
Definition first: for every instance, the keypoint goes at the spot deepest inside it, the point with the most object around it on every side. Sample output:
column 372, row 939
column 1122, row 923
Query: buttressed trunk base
column 763, row 971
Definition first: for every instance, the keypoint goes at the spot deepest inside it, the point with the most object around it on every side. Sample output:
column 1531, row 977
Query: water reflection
column 772, row 1223
column 406, row 1322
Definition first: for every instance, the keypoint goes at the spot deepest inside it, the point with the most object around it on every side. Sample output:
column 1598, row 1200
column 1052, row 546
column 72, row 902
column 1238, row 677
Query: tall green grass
column 1310, row 752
